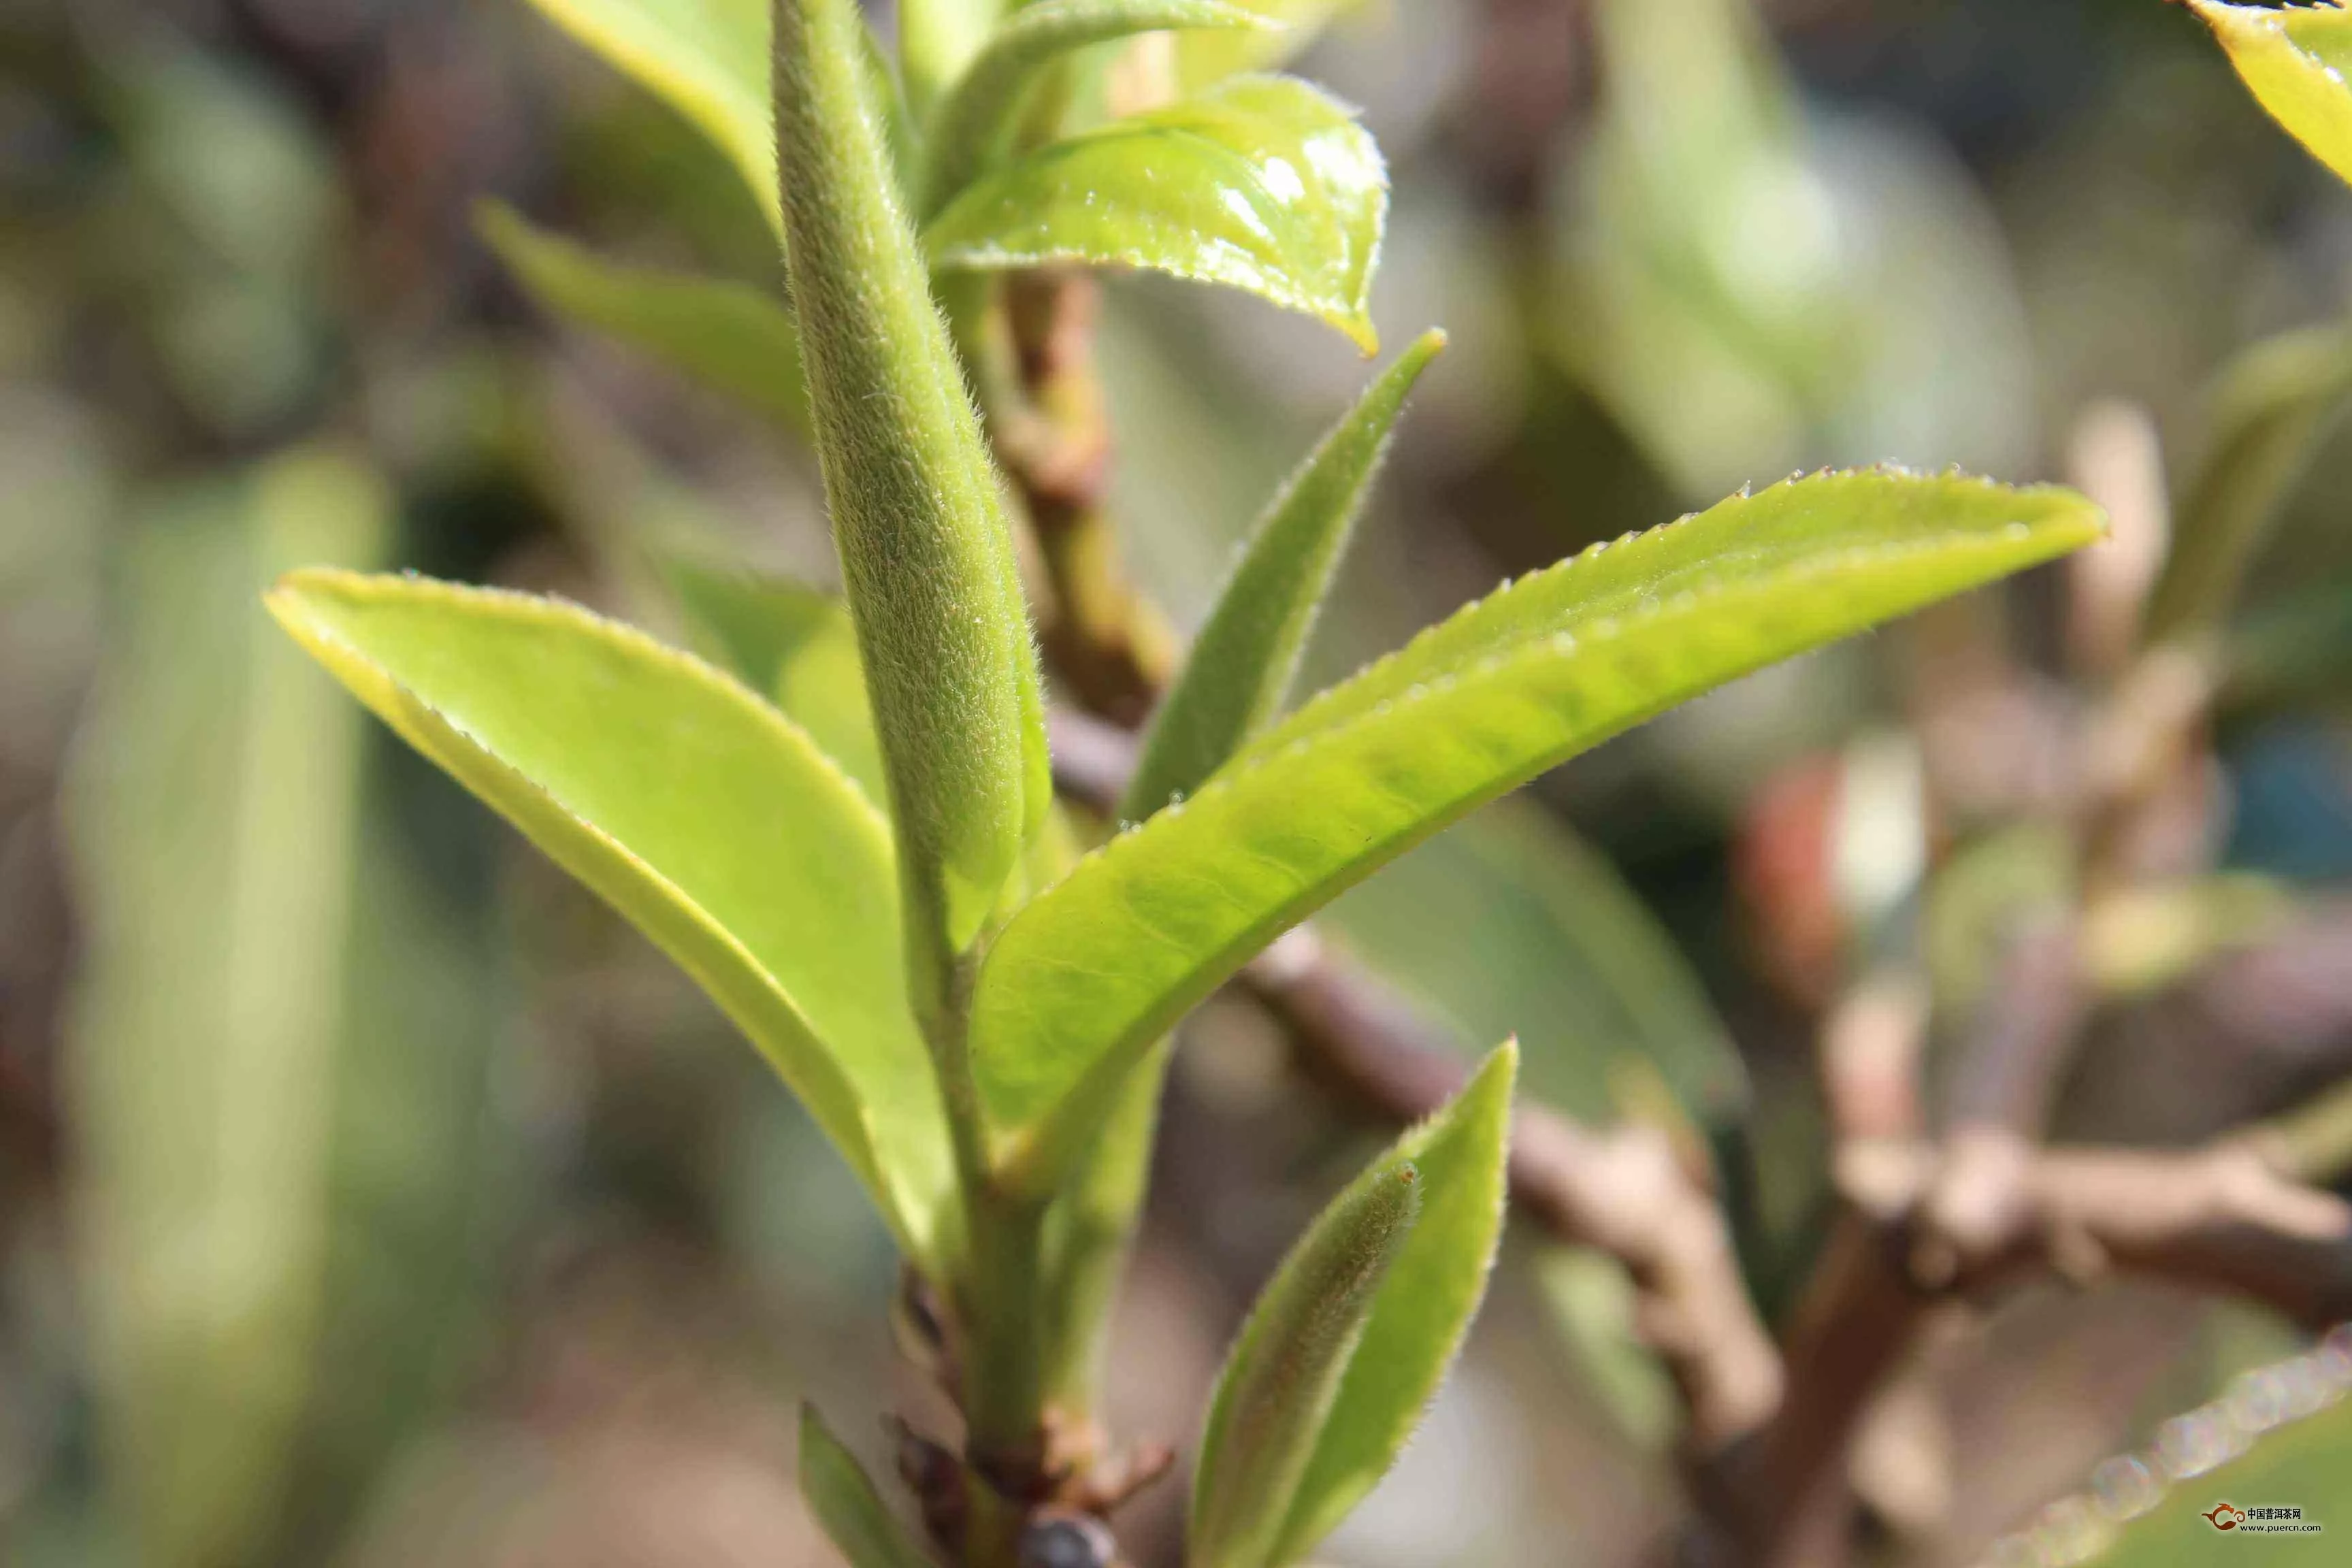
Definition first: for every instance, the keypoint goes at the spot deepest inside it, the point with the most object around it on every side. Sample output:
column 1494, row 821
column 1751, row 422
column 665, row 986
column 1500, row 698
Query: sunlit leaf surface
column 2294, row 59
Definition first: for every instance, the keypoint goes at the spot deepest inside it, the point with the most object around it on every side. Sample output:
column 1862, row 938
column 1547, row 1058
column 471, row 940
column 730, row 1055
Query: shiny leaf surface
column 2293, row 60
column 1240, row 669
column 712, row 823
column 1263, row 184
column 973, row 124
column 1080, row 983
column 729, row 336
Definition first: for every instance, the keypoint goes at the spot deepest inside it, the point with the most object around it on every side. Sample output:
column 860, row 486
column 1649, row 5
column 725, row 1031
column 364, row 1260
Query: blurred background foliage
column 369, row 1195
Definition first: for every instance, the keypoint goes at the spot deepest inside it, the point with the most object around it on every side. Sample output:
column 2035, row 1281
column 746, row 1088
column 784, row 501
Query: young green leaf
column 2294, row 59
column 854, row 1515
column 924, row 545
column 795, row 646
column 705, row 59
column 1241, row 663
column 973, row 124
column 1422, row 1309
column 1086, row 975
column 699, row 812
column 726, row 334
column 937, row 40
column 2272, row 405
column 1283, row 1374
column 1263, row 184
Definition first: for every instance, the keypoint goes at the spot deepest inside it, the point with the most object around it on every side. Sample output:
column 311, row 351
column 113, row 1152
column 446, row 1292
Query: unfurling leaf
column 705, row 59
column 2269, row 411
column 974, row 121
column 1081, row 982
column 728, row 335
column 925, row 548
column 712, row 823
column 2294, row 59
column 1283, row 1374
column 794, row 646
column 854, row 1518
column 1241, row 666
column 1422, row 1309
column 1262, row 184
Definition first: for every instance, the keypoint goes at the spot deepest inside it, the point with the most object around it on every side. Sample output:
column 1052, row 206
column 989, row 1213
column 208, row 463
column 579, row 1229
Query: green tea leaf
column 214, row 818
column 1204, row 59
column 1263, row 184
column 1282, row 1376
column 2294, row 59
column 925, row 548
column 715, row 825
column 973, row 124
column 1510, row 919
column 1241, row 663
column 845, row 1503
column 2269, row 411
column 705, row 59
column 937, row 40
column 793, row 645
column 1093, row 969
column 1422, row 1309
column 728, row 335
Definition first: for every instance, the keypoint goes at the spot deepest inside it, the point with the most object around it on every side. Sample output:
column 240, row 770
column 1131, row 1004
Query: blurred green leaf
column 2269, row 408
column 1509, row 918
column 974, row 123
column 1206, row 59
column 1422, row 1309
column 1282, row 1376
column 728, row 335
column 1263, row 184
column 926, row 551
column 795, row 645
column 846, row 1504
column 1088, row 1231
column 1085, row 976
column 1592, row 1305
column 2294, row 59
column 937, row 40
column 1247, row 655
column 211, row 820
column 2299, row 1464
column 714, row 824
column 705, row 59
column 2295, row 649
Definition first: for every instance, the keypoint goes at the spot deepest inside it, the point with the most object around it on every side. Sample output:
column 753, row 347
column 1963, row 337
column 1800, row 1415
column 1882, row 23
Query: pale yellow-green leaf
column 2293, row 59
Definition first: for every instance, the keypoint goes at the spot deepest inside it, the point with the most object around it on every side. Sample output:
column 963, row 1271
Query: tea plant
column 886, row 896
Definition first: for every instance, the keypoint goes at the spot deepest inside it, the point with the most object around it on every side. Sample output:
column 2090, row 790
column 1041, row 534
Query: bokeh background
column 369, row 1195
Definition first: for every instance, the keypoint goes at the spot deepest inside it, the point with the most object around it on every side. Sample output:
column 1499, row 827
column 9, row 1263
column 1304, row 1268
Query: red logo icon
column 2226, row 1517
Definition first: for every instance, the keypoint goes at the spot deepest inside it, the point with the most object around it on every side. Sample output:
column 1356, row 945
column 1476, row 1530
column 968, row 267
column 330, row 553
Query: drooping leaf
column 1080, row 983
column 728, row 335
column 1283, row 1376
column 1421, row 1310
column 2269, row 411
column 2294, row 59
column 1206, row 59
column 794, row 646
column 213, row 822
column 1263, row 184
column 705, row 59
column 974, row 121
column 1240, row 669
column 1510, row 919
column 714, row 824
column 925, row 548
column 845, row 1503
